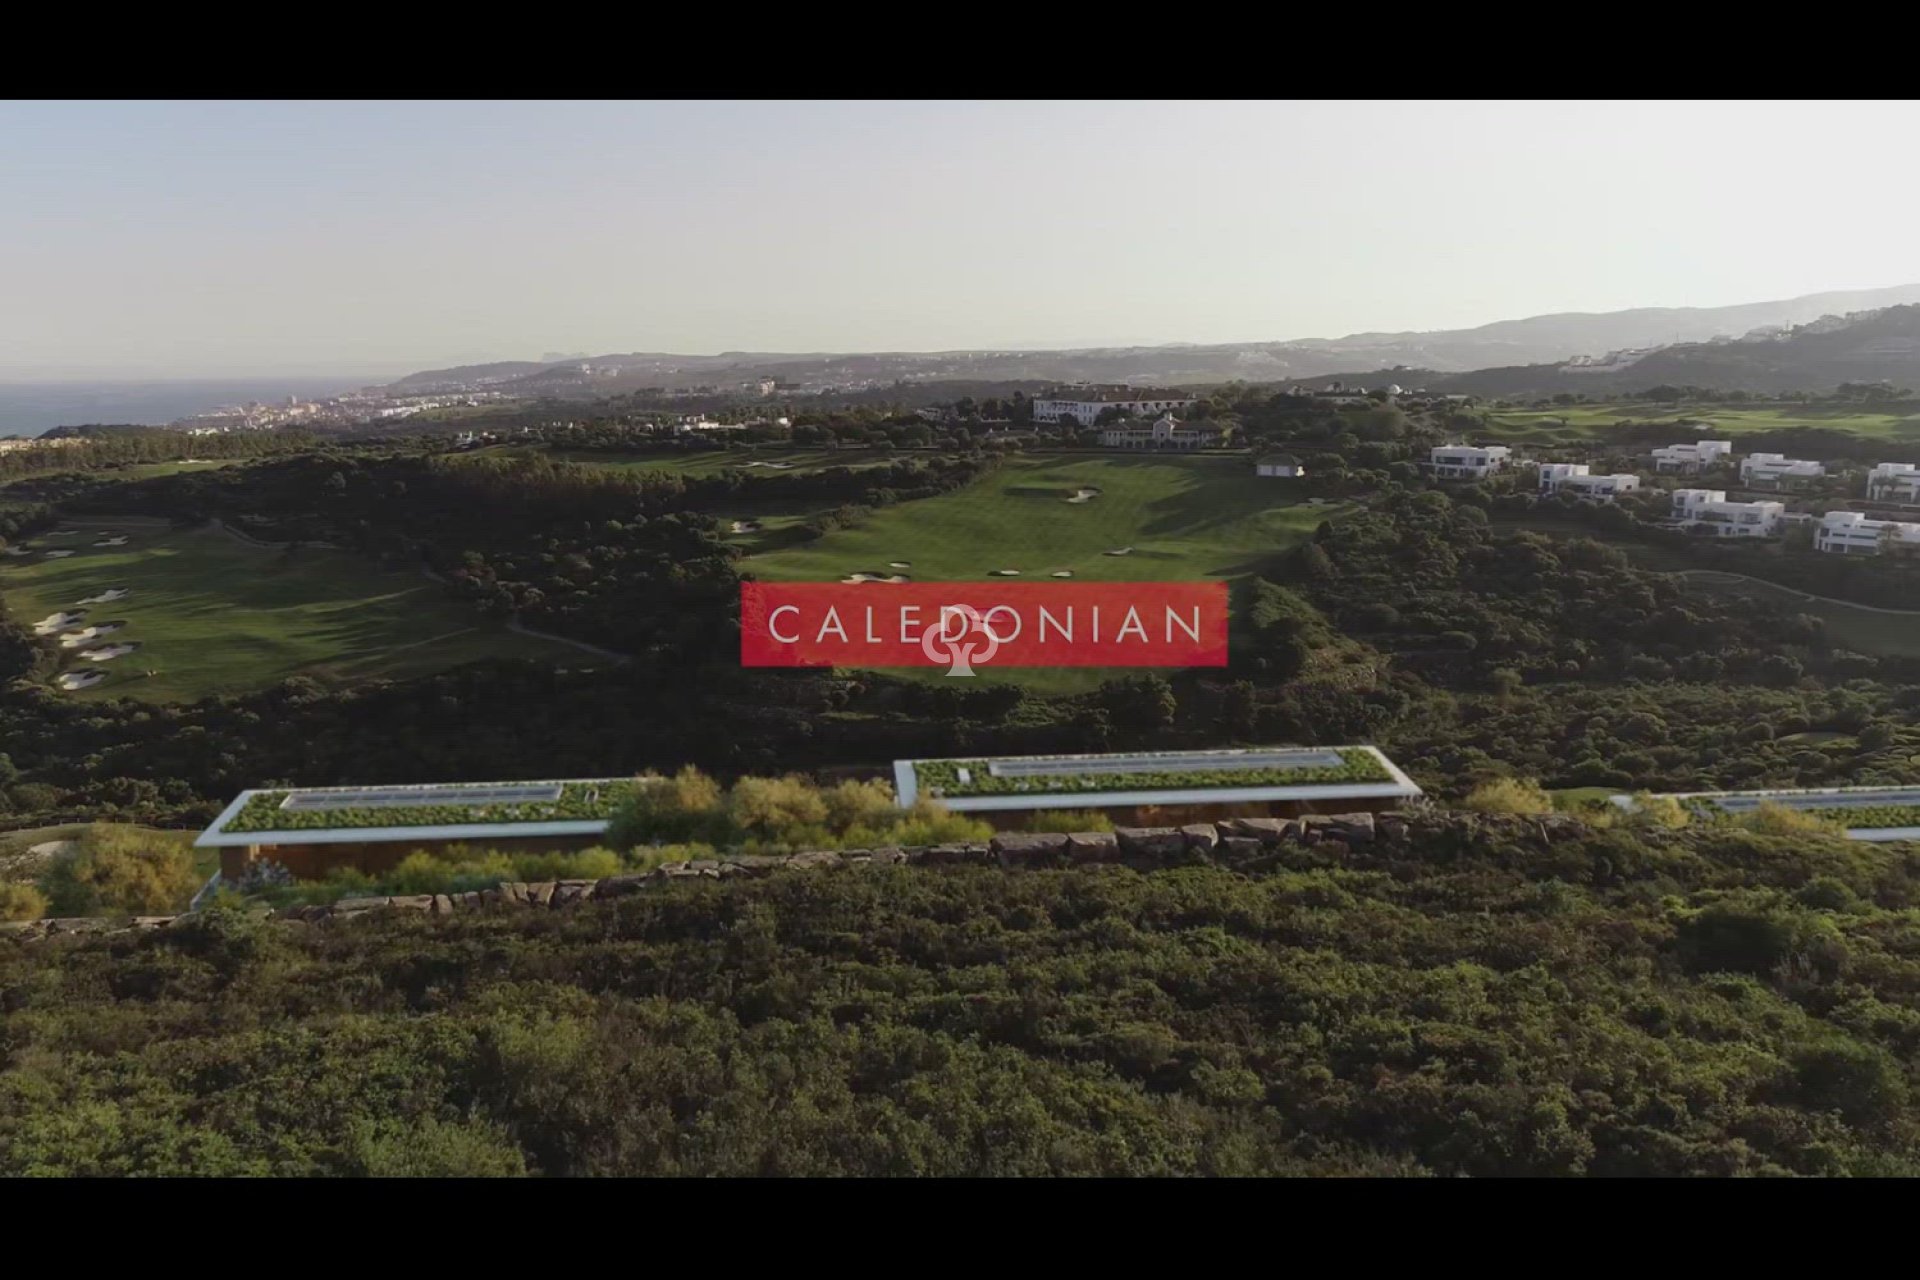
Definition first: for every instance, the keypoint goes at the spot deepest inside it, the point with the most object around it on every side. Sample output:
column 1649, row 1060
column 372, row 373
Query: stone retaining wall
column 1239, row 843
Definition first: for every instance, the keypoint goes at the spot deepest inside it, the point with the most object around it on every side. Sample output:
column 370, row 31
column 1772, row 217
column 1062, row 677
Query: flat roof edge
column 366, row 835
column 1397, row 785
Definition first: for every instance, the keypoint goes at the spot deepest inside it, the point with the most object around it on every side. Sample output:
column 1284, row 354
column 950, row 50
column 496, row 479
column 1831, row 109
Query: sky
column 231, row 239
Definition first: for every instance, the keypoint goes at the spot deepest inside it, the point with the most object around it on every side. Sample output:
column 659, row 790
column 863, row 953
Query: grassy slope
column 214, row 615
column 1577, row 423
column 1185, row 517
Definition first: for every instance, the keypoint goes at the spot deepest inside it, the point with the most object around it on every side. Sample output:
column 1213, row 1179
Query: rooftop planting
column 578, row 802
column 942, row 777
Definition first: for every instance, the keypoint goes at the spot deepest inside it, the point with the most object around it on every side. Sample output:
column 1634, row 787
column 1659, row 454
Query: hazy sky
column 202, row 239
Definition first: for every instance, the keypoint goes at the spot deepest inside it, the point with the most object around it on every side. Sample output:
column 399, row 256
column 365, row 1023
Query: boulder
column 152, row 922
column 1235, row 850
column 1354, row 828
column 1265, row 830
column 537, row 894
column 889, row 857
column 1093, row 846
column 354, row 906
column 567, row 892
column 954, row 855
column 1152, row 844
column 442, row 904
column 1201, row 837
column 412, row 902
column 1029, row 849
column 621, row 886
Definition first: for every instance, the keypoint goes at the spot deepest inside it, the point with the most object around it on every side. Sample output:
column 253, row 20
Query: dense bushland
column 1710, row 1000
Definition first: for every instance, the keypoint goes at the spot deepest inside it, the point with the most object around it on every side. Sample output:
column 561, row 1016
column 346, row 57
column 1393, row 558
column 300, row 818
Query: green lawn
column 1185, row 518
column 214, row 615
column 1850, row 626
column 1575, row 424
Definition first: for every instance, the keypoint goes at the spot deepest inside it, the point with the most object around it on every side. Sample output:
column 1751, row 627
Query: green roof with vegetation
column 942, row 777
column 578, row 802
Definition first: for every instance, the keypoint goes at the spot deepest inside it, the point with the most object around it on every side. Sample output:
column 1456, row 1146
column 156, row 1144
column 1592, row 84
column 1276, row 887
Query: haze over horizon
column 185, row 240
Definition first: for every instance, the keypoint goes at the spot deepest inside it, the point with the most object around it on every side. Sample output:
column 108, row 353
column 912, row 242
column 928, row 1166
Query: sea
column 30, row 408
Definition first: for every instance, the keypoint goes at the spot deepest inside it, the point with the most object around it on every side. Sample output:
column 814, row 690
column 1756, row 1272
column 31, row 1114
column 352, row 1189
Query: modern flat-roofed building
column 1867, row 813
column 1895, row 481
column 1576, row 478
column 1775, row 470
column 1085, row 404
column 1691, row 457
column 1161, row 788
column 1709, row 509
column 1858, row 534
column 312, row 830
column 1468, row 461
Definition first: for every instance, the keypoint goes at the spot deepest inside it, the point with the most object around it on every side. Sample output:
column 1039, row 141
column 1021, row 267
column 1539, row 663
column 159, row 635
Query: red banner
column 965, row 625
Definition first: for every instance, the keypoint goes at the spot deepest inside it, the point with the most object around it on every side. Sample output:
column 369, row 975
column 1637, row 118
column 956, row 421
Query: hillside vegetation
column 1480, row 1001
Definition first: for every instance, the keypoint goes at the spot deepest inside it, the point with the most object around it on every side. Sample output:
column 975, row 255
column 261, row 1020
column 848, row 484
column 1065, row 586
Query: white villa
column 1165, row 432
column 1084, row 404
column 1853, row 533
column 1468, row 461
column 1709, row 507
column 1777, row 469
column 1691, row 457
column 1897, row 480
column 1577, row 479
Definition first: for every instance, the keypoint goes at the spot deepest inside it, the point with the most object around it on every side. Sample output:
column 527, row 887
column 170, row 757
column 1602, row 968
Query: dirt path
column 1794, row 591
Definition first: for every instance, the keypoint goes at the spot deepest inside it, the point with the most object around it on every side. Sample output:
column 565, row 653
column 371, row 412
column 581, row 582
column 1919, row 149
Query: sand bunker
column 746, row 526
column 1118, row 551
column 108, row 596
column 876, row 577
column 108, row 652
column 773, row 466
column 899, row 564
column 81, row 679
column 1006, row 573
column 1084, row 495
column 1061, row 573
column 57, row 622
column 74, row 639
column 56, row 555
column 120, row 541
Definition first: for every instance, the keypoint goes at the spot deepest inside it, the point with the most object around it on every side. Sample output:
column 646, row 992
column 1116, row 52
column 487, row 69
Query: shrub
column 1508, row 795
column 690, row 805
column 1777, row 820
column 21, row 901
column 121, row 869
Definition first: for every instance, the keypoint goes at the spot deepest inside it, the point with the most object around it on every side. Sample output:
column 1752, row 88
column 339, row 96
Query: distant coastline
column 31, row 408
